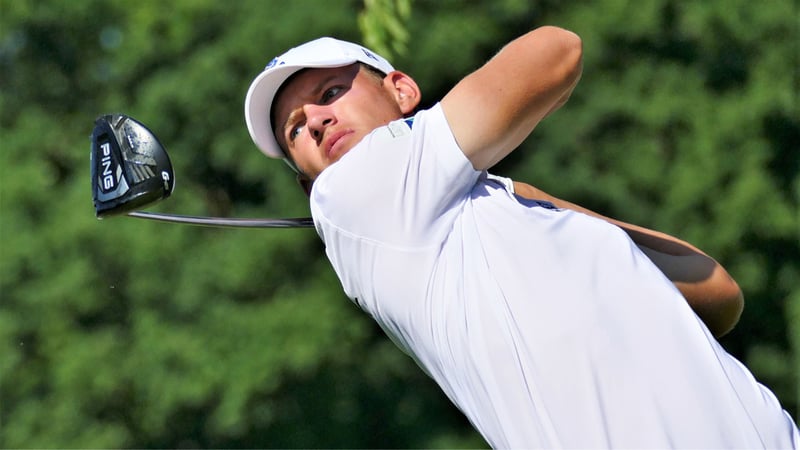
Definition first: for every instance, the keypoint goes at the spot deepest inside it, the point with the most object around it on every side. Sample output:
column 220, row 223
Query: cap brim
column 258, row 104
column 321, row 53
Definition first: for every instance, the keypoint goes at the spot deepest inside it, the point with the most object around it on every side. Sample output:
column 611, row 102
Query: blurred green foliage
column 382, row 24
column 125, row 333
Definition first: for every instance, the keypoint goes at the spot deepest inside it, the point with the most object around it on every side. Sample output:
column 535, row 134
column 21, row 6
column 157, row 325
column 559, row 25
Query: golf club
column 131, row 169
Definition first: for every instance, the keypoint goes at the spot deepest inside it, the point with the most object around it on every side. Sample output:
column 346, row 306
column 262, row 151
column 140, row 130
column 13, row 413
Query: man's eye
column 295, row 131
column 330, row 94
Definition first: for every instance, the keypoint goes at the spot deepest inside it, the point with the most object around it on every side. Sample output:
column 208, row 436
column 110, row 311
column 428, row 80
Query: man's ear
column 405, row 90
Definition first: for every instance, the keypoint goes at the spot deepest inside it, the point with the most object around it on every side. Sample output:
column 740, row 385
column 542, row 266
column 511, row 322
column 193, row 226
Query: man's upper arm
column 495, row 108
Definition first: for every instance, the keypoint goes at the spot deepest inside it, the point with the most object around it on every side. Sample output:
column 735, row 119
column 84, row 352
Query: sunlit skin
column 320, row 114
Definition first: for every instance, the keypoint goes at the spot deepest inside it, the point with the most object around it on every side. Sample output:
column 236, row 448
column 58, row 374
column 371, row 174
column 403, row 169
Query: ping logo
column 107, row 172
column 369, row 54
column 275, row 62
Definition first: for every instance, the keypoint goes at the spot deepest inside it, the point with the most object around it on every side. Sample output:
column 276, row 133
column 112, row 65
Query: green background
column 128, row 333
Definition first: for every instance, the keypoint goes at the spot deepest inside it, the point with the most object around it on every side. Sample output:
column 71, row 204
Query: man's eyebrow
column 292, row 118
column 312, row 93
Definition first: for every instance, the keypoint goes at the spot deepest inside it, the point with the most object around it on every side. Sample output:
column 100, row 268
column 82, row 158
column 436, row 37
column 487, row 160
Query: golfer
column 546, row 324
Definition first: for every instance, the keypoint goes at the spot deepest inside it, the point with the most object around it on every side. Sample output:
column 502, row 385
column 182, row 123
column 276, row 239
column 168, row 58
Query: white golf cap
column 320, row 53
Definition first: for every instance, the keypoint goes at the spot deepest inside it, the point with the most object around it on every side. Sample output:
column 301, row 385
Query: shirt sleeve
column 403, row 184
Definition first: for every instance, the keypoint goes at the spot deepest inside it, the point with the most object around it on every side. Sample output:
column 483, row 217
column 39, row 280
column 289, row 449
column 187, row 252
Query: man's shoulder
column 406, row 172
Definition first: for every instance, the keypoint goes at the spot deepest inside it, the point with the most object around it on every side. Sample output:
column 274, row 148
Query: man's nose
column 318, row 117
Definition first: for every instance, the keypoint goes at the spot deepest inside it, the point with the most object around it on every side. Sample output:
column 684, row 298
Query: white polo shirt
column 546, row 327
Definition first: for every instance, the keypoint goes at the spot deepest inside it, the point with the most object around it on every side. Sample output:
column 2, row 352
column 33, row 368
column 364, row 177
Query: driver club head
column 130, row 167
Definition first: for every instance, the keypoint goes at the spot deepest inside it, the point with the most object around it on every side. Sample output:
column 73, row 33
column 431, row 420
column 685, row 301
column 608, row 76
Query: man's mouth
column 334, row 144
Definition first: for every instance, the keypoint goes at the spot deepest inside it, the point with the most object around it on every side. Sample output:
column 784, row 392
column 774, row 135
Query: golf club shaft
column 305, row 222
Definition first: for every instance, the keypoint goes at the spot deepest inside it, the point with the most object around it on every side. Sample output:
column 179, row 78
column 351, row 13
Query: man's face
column 320, row 114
